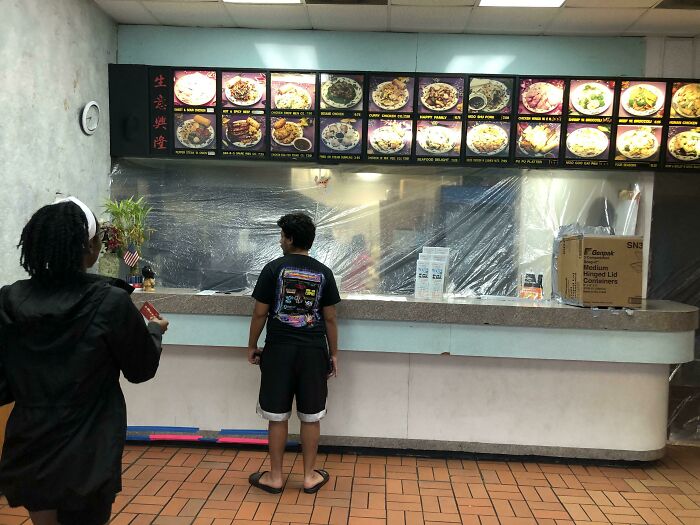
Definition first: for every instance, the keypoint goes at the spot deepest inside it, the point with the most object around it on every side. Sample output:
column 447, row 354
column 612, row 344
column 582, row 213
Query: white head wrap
column 91, row 222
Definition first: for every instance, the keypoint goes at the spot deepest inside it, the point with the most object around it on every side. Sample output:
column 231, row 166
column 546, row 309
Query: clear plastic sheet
column 675, row 275
column 215, row 225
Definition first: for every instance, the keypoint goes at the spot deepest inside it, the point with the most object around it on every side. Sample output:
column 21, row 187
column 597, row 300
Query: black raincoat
column 61, row 351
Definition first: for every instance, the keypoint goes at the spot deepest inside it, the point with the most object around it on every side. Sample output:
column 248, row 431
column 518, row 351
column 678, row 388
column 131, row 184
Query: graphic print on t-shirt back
column 298, row 297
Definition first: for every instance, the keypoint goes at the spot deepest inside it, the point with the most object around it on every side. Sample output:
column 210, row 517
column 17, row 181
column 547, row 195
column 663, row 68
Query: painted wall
column 673, row 57
column 53, row 60
column 219, row 47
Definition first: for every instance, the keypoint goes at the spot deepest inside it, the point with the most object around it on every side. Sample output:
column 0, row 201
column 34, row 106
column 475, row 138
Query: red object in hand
column 149, row 311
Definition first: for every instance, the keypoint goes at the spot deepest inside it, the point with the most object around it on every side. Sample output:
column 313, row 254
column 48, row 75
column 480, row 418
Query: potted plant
column 112, row 244
column 129, row 223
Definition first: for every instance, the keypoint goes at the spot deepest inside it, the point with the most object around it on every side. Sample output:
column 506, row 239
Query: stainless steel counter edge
column 656, row 316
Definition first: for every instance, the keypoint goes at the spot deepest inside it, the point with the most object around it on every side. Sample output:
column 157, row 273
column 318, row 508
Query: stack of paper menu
column 432, row 272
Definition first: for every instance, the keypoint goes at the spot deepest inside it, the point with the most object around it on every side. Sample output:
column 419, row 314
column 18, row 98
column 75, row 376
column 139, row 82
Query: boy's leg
column 310, row 433
column 277, row 436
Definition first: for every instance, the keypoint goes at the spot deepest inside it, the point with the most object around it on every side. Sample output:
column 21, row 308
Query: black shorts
column 95, row 511
column 289, row 371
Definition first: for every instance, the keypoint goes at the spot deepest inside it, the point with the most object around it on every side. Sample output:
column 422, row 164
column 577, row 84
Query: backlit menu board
column 292, row 115
column 590, row 123
column 489, row 120
column 406, row 118
column 341, row 123
column 243, row 129
column 638, row 138
column 390, row 117
column 539, row 121
column 194, row 100
column 683, row 139
column 438, row 127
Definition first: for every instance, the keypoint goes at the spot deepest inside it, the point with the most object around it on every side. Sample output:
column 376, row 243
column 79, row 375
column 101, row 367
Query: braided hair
column 54, row 242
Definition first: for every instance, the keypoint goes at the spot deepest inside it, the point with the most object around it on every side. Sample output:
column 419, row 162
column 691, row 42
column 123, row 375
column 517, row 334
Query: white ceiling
column 576, row 17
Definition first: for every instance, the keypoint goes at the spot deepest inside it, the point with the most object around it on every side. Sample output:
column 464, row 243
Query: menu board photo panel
column 638, row 146
column 391, row 93
column 685, row 100
column 340, row 138
column 591, row 100
column 292, row 93
column 441, row 94
column 542, row 97
column 490, row 96
column 194, row 89
column 683, row 142
column 438, row 141
column 342, row 92
column 641, row 101
column 389, row 140
column 243, row 136
column 488, row 142
column 587, row 145
column 293, row 137
column 195, row 134
column 538, row 143
column 245, row 90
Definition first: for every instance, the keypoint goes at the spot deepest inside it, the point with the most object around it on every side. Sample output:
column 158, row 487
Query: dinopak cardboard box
column 603, row 270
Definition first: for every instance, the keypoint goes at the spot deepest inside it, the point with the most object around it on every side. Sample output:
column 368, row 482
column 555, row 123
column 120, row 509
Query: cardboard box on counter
column 599, row 270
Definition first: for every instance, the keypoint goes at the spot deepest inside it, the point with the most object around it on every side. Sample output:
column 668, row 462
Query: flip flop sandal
column 254, row 479
column 325, row 475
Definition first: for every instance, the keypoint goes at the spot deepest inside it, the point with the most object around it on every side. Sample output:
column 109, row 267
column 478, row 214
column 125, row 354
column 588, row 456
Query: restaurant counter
column 494, row 375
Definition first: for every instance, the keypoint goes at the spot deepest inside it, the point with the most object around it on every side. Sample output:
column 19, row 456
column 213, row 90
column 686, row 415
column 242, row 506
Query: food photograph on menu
column 194, row 88
column 391, row 93
column 490, row 95
column 243, row 89
column 685, row 101
column 438, row 138
column 341, row 92
column 591, row 98
column 292, row 134
column 587, row 142
column 638, row 143
column 243, row 133
column 194, row 131
column 293, row 91
column 389, row 137
column 538, row 140
column 441, row 95
column 541, row 96
column 340, row 136
column 683, row 144
column 488, row 139
column 642, row 99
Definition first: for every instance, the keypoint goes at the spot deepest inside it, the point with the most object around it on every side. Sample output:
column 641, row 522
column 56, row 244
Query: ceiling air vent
column 673, row 4
column 347, row 2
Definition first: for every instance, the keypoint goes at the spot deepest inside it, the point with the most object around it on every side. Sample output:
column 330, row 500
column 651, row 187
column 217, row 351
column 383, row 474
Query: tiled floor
column 183, row 486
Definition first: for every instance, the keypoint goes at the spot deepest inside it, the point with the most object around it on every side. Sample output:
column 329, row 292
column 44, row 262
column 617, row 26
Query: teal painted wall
column 249, row 48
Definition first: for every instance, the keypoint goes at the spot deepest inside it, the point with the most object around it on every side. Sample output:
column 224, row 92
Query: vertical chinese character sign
column 160, row 120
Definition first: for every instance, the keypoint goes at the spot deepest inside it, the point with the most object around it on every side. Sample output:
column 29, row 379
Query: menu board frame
column 168, row 147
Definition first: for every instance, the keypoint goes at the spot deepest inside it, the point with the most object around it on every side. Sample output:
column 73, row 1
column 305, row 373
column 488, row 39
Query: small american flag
column 131, row 256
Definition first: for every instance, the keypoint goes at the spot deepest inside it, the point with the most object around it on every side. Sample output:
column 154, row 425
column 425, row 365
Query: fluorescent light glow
column 521, row 3
column 263, row 1
column 369, row 177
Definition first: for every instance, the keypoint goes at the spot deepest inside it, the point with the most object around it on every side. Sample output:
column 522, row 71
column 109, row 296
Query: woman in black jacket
column 65, row 336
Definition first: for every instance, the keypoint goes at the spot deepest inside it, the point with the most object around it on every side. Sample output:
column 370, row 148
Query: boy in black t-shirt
column 295, row 295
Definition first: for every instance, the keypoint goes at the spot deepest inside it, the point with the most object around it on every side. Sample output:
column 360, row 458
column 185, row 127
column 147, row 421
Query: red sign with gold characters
column 159, row 114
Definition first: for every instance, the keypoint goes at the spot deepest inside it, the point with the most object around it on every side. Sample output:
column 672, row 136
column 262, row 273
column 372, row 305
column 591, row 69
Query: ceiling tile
column 434, row 3
column 270, row 16
column 127, row 12
column 679, row 22
column 582, row 21
column 611, row 3
column 428, row 19
column 510, row 20
column 198, row 14
column 349, row 17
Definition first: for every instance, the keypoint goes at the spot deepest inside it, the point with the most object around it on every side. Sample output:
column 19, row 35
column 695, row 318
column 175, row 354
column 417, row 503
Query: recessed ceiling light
column 521, row 3
column 263, row 1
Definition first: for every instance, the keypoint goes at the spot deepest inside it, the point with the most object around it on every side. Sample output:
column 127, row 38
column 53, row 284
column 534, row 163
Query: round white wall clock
column 90, row 117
